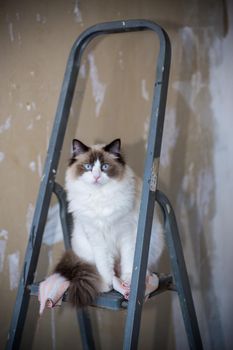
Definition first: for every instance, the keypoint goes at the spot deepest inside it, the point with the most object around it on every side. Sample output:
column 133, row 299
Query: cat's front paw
column 121, row 287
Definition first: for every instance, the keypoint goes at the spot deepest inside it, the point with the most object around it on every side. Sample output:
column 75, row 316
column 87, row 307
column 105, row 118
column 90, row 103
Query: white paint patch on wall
column 197, row 84
column 189, row 43
column 2, row 156
column 32, row 166
column 4, row 234
column 11, row 32
column 205, row 187
column 82, row 71
column 98, row 88
column 77, row 12
column 190, row 90
column 187, row 185
column 6, row 124
column 40, row 19
column 3, row 239
column 2, row 253
column 13, row 261
column 53, row 230
column 39, row 164
column 30, row 106
column 121, row 61
column 33, row 104
column 30, row 125
column 29, row 217
column 144, row 91
column 171, row 133
column 146, row 130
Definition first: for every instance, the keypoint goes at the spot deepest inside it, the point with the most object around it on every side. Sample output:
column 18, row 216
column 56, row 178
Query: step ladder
column 179, row 279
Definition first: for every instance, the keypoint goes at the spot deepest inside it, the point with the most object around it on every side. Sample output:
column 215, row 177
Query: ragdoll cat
column 104, row 197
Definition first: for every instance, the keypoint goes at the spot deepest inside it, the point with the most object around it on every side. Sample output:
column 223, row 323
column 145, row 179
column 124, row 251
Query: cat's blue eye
column 105, row 167
column 87, row 166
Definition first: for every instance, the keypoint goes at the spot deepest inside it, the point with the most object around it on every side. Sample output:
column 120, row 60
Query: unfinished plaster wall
column 113, row 99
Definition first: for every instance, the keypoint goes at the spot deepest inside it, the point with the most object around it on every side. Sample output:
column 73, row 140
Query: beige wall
column 113, row 99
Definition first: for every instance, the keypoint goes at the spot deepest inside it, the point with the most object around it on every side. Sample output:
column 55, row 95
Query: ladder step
column 114, row 300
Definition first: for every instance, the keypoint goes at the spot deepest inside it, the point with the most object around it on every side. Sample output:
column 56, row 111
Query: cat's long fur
column 84, row 279
column 105, row 208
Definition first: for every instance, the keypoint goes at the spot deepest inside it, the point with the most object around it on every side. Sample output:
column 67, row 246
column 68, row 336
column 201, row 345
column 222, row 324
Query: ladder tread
column 114, row 300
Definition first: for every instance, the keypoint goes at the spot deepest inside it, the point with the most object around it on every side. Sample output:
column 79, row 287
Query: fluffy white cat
column 104, row 198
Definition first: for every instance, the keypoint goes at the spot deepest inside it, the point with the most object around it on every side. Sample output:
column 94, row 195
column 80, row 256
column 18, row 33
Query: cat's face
column 97, row 165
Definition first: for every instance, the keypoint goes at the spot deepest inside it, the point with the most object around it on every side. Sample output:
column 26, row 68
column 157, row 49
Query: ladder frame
column 149, row 195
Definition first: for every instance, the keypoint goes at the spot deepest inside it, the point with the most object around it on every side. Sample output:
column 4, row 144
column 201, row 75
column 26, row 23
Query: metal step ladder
column 179, row 279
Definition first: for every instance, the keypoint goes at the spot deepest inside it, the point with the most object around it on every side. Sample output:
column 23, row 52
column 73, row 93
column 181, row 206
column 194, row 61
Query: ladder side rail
column 180, row 272
column 148, row 195
column 65, row 217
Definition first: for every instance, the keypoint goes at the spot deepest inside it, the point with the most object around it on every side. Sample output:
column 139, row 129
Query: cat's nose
column 96, row 176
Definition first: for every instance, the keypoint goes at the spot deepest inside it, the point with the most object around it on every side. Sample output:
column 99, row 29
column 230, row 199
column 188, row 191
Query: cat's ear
column 114, row 147
column 78, row 148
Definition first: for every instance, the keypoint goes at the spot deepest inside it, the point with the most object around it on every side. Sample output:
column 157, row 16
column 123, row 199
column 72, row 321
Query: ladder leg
column 180, row 273
column 85, row 329
column 28, row 271
column 18, row 319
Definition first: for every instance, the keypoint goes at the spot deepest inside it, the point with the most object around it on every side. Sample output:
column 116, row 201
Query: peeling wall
column 113, row 99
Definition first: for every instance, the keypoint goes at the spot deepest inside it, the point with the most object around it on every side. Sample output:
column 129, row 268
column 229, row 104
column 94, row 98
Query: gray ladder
column 179, row 279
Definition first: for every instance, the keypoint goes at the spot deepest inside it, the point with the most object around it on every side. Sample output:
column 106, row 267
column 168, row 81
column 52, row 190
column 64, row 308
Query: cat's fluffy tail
column 83, row 277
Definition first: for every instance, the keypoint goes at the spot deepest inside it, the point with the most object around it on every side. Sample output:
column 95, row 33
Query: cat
column 103, row 196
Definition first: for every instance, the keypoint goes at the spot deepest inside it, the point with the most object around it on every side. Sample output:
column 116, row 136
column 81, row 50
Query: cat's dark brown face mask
column 97, row 164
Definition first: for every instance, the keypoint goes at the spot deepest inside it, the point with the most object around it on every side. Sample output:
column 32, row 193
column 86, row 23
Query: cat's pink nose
column 96, row 177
